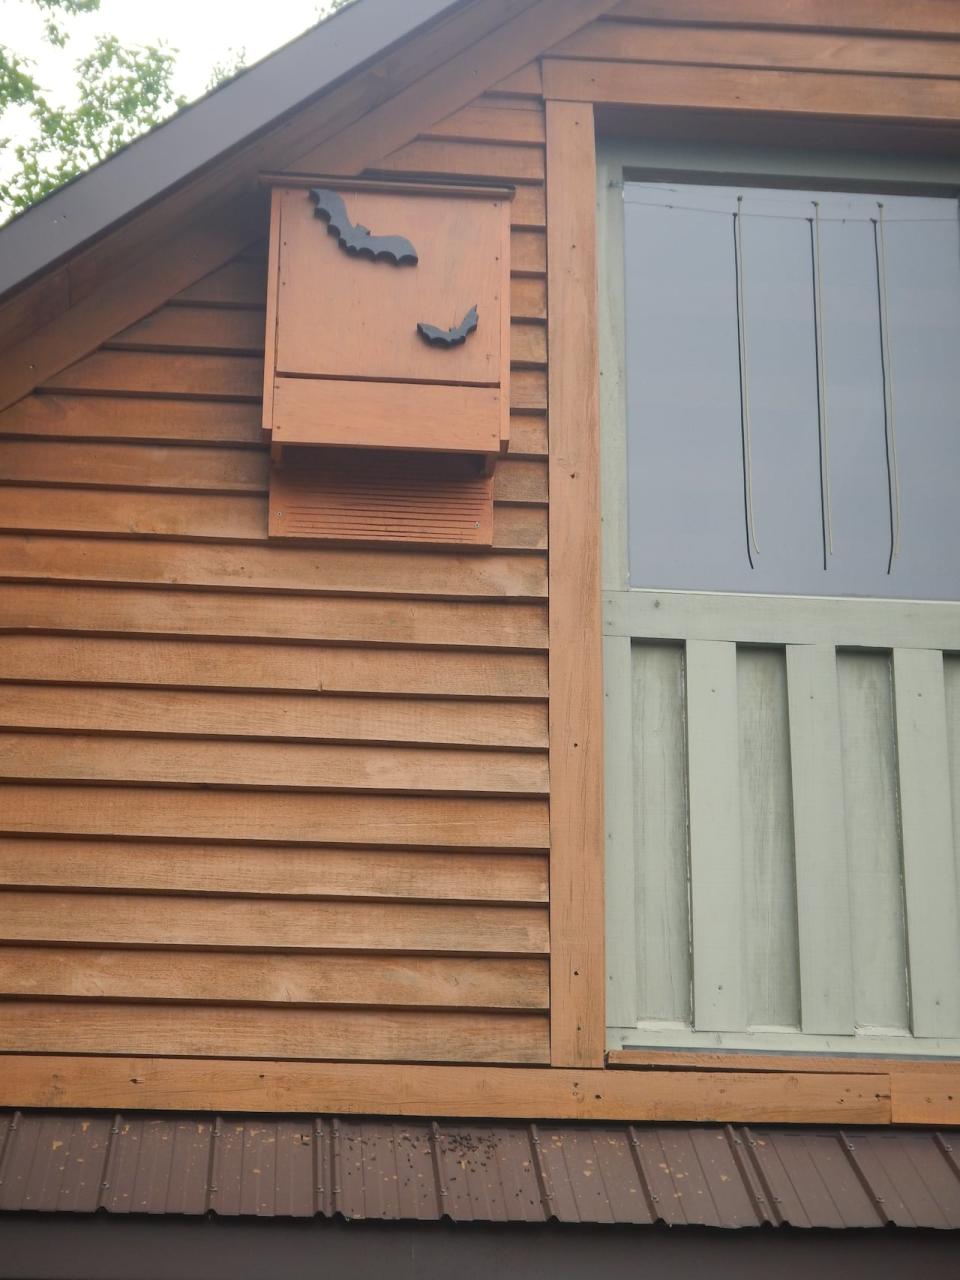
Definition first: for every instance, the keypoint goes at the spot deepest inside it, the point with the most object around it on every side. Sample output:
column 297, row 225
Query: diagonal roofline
column 176, row 150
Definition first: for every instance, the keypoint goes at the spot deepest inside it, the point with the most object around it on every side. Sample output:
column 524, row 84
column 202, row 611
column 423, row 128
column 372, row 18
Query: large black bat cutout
column 359, row 240
column 450, row 337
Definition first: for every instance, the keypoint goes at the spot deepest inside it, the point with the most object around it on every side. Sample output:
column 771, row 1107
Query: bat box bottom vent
column 365, row 495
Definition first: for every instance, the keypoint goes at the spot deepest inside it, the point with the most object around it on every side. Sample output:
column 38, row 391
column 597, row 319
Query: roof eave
column 88, row 207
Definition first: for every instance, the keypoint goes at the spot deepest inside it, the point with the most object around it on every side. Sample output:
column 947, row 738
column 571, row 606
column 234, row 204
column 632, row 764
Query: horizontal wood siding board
column 269, row 924
column 918, row 18
column 494, row 120
column 190, row 664
column 784, row 50
column 466, row 159
column 268, row 765
column 744, row 90
column 138, row 466
column 301, row 718
column 27, row 1080
column 270, row 817
column 268, row 569
column 273, row 979
column 234, row 331
column 90, row 417
column 200, row 517
column 174, row 374
column 272, row 871
column 235, row 1032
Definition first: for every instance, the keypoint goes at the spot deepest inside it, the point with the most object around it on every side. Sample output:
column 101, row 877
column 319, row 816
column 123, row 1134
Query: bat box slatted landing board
column 386, row 391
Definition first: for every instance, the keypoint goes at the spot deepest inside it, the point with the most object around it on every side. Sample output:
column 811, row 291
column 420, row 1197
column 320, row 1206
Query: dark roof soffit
column 90, row 205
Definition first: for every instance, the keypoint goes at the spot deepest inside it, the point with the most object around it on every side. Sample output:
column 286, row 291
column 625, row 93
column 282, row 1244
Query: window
column 781, row 418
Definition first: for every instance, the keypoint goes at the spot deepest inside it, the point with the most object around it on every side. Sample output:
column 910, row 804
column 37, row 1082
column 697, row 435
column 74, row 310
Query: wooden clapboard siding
column 271, row 870
column 229, row 1031
column 275, row 979
column 334, row 759
column 280, row 924
column 274, row 765
column 299, row 717
column 192, row 664
column 292, row 817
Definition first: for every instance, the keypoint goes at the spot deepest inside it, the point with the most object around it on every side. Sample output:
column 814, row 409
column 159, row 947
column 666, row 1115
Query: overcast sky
column 205, row 32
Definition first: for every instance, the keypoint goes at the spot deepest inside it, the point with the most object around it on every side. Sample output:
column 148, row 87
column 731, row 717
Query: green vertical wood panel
column 716, row 853
column 930, row 876
column 623, row 1009
column 660, row 833
column 769, row 881
column 875, row 868
column 951, row 678
column 823, row 892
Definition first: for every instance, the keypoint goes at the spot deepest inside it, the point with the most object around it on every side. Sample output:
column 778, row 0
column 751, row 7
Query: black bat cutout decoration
column 356, row 239
column 450, row 337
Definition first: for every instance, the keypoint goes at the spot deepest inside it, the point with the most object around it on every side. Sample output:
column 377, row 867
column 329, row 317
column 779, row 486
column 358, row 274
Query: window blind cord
column 752, row 547
column 886, row 369
column 825, row 502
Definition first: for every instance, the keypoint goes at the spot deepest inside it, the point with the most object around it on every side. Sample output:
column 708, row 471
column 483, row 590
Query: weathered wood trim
column 576, row 693
column 451, row 86
column 120, row 1083
column 918, row 18
column 746, row 91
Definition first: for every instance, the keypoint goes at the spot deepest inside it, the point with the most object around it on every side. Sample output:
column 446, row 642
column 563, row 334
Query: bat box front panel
column 340, row 314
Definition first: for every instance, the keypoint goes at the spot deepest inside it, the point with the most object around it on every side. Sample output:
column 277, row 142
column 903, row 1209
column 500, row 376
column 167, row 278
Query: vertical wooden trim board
column 576, row 693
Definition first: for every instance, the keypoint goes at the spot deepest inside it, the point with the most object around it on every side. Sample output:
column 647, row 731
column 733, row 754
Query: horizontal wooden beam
column 184, row 1084
column 918, row 18
column 814, row 94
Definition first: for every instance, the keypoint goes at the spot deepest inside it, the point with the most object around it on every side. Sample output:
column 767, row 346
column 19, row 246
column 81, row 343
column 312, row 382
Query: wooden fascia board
column 452, row 86
column 532, row 1093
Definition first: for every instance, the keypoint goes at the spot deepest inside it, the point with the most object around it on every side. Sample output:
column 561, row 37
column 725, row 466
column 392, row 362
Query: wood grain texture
column 177, row 374
column 271, row 871
column 302, row 718
column 229, row 331
column 269, row 569
column 576, row 694
column 176, row 261
column 329, row 411
column 236, row 1032
column 139, row 466
column 925, row 1098
column 270, row 765
column 202, row 517
column 492, row 120
column 238, row 615
column 118, row 418
column 450, row 86
column 358, row 1089
column 223, row 665
column 918, row 100
column 417, row 822
column 269, row 924
column 787, row 50
column 273, row 979
column 466, row 159
column 919, row 17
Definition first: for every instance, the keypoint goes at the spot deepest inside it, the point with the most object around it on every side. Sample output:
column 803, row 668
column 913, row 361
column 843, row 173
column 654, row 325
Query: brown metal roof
column 693, row 1175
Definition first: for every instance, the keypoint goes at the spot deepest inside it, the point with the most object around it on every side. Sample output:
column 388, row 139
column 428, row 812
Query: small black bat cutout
column 450, row 337
column 358, row 240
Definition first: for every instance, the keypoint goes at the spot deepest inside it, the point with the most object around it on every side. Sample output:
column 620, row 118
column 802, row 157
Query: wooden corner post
column 576, row 693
